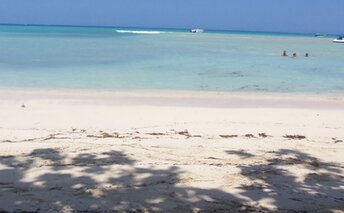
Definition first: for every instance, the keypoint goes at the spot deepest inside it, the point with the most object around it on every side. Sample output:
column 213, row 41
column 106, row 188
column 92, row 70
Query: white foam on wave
column 139, row 32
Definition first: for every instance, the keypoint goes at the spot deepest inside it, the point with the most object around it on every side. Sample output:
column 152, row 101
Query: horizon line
column 167, row 28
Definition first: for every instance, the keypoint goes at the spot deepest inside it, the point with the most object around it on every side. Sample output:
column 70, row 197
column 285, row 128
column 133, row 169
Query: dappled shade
column 134, row 187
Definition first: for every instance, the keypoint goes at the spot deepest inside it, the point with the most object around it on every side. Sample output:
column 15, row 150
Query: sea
column 125, row 59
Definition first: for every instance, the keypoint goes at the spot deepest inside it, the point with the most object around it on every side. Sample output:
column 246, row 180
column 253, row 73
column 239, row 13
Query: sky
column 299, row 16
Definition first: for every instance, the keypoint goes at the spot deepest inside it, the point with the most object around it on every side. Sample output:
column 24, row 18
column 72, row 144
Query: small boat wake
column 139, row 32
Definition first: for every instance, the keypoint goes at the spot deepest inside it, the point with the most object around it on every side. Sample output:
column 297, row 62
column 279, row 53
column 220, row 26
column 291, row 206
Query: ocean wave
column 139, row 32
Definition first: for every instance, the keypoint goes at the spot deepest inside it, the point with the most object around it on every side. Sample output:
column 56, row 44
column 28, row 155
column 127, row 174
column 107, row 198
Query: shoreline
column 208, row 99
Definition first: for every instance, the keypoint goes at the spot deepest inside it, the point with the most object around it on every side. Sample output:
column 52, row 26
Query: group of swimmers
column 285, row 53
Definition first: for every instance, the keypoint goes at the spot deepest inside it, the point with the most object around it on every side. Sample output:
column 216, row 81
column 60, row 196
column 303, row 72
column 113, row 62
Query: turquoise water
column 149, row 59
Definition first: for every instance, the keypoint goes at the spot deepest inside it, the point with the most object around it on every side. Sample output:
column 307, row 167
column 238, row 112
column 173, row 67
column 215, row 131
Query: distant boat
column 197, row 30
column 320, row 35
column 340, row 39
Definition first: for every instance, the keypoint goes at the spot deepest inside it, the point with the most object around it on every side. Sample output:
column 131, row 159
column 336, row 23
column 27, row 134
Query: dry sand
column 170, row 152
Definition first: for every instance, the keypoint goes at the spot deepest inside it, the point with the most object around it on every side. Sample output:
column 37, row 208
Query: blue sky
column 323, row 16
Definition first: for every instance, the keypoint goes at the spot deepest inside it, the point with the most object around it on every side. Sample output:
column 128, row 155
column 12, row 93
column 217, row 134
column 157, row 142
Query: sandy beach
column 68, row 151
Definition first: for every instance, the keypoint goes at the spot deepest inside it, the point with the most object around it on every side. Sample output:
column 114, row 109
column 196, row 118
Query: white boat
column 340, row 39
column 197, row 30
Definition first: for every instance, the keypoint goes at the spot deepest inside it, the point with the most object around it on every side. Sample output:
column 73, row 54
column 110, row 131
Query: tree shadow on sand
column 112, row 181
column 129, row 187
column 319, row 188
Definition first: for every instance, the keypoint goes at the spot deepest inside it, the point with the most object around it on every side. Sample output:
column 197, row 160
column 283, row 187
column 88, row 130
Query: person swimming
column 306, row 55
column 294, row 55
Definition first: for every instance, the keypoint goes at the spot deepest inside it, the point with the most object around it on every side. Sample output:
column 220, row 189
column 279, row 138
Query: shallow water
column 155, row 59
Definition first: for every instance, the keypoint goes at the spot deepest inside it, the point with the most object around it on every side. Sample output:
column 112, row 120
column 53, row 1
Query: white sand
column 184, row 151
